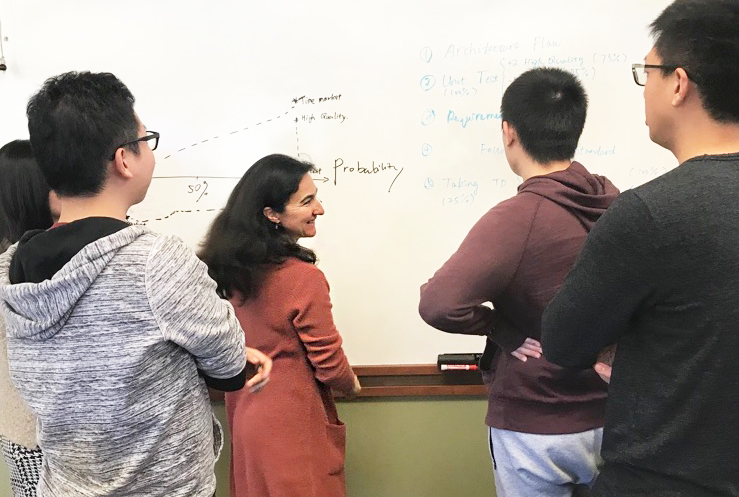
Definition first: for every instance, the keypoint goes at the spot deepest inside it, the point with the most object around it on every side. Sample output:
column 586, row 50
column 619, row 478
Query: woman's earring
column 277, row 225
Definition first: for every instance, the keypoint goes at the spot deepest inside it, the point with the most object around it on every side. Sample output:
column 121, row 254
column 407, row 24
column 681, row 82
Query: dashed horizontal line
column 144, row 221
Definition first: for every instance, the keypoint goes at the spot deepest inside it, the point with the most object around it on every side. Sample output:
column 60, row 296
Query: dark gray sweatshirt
column 659, row 276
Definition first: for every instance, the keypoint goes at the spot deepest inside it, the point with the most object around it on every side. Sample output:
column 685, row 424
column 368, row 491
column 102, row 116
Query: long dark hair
column 24, row 194
column 242, row 244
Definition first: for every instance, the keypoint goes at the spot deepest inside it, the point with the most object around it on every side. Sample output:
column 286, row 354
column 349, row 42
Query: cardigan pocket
column 335, row 447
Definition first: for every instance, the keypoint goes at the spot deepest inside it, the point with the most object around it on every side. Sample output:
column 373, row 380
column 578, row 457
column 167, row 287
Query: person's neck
column 705, row 136
column 530, row 168
column 75, row 208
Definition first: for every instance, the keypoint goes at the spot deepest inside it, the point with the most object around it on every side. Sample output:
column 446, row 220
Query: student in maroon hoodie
column 545, row 422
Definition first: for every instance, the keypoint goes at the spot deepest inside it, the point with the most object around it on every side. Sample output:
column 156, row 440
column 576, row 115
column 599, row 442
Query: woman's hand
column 355, row 390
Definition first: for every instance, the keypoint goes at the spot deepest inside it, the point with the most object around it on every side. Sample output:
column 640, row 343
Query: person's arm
column 190, row 313
column 614, row 275
column 314, row 323
column 512, row 340
column 478, row 272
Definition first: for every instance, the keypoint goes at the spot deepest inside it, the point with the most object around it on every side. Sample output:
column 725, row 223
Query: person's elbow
column 230, row 384
column 559, row 350
column 566, row 359
column 439, row 315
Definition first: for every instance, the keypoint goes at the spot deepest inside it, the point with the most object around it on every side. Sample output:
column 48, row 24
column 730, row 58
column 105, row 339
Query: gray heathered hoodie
column 106, row 353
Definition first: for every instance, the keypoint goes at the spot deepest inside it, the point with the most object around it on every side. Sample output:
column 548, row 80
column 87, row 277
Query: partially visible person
column 545, row 422
column 659, row 275
column 113, row 331
column 288, row 440
column 26, row 203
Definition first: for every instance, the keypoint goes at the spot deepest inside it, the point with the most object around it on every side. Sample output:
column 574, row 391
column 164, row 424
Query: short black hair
column 76, row 121
column 547, row 108
column 24, row 195
column 702, row 37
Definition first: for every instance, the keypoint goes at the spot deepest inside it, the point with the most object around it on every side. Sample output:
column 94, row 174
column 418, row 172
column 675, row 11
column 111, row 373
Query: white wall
column 420, row 84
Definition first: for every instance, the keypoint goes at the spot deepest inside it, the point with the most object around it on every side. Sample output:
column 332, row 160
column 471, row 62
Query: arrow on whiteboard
column 322, row 180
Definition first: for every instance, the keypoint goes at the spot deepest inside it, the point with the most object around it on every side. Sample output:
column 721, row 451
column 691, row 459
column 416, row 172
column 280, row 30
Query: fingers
column 354, row 392
column 603, row 370
column 264, row 368
column 519, row 355
column 257, row 382
column 529, row 348
column 263, row 362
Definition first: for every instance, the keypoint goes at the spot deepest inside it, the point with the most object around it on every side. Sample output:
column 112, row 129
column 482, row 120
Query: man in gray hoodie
column 545, row 422
column 114, row 331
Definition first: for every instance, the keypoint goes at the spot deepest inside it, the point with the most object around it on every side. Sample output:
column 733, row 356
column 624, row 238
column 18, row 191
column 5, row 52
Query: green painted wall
column 424, row 447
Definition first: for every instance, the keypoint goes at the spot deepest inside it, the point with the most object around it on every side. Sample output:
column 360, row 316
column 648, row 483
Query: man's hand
column 263, row 365
column 603, row 364
column 530, row 348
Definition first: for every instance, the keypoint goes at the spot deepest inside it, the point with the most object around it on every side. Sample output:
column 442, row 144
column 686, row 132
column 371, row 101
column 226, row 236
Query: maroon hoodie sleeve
column 505, row 334
column 479, row 271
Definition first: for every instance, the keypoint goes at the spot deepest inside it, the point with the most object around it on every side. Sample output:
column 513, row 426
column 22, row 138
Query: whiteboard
column 396, row 102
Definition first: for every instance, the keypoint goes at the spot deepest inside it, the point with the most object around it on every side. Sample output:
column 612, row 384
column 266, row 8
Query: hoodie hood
column 39, row 309
column 584, row 194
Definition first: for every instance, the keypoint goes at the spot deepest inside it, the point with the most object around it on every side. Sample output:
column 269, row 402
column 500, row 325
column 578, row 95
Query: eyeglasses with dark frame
column 640, row 75
column 150, row 135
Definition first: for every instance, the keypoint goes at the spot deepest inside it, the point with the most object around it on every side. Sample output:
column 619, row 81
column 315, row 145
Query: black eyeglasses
column 640, row 74
column 150, row 135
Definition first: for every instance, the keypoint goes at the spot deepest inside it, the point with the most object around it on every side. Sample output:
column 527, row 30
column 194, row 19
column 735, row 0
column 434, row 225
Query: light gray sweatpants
column 530, row 465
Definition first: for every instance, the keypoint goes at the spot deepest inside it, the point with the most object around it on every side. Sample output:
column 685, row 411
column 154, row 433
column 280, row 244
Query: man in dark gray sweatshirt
column 545, row 422
column 659, row 275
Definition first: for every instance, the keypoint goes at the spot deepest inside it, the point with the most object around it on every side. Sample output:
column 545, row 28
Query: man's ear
column 681, row 87
column 120, row 165
column 270, row 214
column 509, row 134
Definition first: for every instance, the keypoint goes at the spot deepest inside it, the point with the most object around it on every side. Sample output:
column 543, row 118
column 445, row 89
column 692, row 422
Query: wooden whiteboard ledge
column 417, row 380
column 409, row 380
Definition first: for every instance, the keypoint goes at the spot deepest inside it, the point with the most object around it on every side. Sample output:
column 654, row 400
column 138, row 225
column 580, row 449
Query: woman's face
column 298, row 218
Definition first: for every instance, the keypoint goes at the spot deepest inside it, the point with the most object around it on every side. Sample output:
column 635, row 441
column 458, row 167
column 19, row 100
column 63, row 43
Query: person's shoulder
column 627, row 202
column 163, row 242
column 515, row 208
column 165, row 251
column 296, row 268
column 299, row 279
column 663, row 196
column 685, row 176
